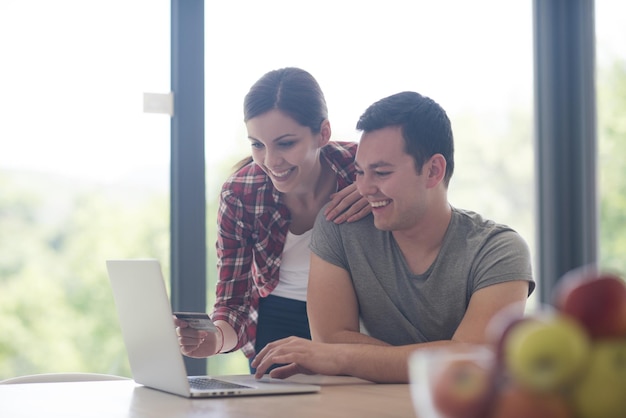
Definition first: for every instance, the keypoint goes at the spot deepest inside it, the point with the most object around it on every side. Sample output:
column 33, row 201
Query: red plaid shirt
column 252, row 225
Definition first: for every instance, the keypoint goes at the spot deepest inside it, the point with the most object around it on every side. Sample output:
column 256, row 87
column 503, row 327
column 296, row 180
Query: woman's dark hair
column 292, row 91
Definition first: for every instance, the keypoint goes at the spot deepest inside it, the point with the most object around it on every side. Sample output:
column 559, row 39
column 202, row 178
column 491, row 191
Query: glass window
column 611, row 104
column 84, row 174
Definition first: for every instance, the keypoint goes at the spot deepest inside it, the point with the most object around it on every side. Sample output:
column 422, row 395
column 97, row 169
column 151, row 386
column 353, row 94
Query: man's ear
column 436, row 167
column 325, row 132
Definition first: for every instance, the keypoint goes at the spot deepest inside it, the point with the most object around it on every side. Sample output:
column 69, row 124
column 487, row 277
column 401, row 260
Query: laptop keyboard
column 203, row 383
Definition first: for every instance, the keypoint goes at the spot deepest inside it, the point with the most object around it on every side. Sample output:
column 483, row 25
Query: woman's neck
column 304, row 205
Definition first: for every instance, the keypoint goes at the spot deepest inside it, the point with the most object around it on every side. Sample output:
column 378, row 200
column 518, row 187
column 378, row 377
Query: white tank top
column 293, row 277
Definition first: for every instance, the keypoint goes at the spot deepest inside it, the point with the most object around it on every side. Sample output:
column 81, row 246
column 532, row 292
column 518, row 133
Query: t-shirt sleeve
column 503, row 257
column 326, row 241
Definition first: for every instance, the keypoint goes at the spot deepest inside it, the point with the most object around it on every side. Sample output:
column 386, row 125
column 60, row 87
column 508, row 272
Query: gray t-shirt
column 400, row 307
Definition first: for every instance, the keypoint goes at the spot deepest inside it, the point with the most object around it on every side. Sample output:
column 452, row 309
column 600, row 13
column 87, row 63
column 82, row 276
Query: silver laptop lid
column 143, row 307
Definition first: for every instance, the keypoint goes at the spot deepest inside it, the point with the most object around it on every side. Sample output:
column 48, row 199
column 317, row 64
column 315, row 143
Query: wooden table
column 339, row 398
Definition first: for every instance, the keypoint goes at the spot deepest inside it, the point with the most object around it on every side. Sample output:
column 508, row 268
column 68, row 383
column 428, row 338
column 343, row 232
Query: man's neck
column 420, row 246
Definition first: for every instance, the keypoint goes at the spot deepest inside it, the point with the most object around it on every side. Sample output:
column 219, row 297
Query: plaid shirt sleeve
column 235, row 292
column 251, row 232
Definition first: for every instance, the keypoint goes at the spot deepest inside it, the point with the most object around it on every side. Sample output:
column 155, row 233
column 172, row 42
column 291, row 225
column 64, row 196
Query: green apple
column 601, row 390
column 546, row 353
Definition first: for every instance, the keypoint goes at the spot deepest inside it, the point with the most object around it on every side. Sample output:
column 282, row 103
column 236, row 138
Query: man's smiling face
column 388, row 178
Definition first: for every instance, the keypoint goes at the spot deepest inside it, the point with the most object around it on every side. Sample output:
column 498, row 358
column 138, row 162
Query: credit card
column 197, row 320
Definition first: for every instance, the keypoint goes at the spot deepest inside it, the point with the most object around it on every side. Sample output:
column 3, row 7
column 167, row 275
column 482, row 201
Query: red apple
column 463, row 388
column 515, row 401
column 596, row 299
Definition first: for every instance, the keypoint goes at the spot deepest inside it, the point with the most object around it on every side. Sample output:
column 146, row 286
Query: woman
column 266, row 213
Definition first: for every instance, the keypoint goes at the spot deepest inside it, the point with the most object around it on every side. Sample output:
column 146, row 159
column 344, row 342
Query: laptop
column 149, row 334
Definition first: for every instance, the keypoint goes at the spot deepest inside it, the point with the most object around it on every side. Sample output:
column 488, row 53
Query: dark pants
column 280, row 318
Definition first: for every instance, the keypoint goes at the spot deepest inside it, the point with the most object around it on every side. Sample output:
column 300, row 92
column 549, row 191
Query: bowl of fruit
column 564, row 360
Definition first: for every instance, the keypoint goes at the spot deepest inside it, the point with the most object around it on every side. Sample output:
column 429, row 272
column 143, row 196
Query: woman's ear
column 436, row 169
column 325, row 132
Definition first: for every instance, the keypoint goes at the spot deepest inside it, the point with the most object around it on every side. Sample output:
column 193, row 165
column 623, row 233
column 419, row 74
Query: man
column 418, row 272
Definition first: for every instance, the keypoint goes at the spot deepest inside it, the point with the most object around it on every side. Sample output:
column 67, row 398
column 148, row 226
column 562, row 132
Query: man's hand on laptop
column 197, row 343
column 298, row 355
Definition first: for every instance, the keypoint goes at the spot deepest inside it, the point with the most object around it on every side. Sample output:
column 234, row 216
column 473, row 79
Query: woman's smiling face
column 287, row 151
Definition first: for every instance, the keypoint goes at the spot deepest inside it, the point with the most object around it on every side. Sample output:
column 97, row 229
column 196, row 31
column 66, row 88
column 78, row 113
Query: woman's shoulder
column 340, row 149
column 249, row 180
column 249, row 173
column 340, row 156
